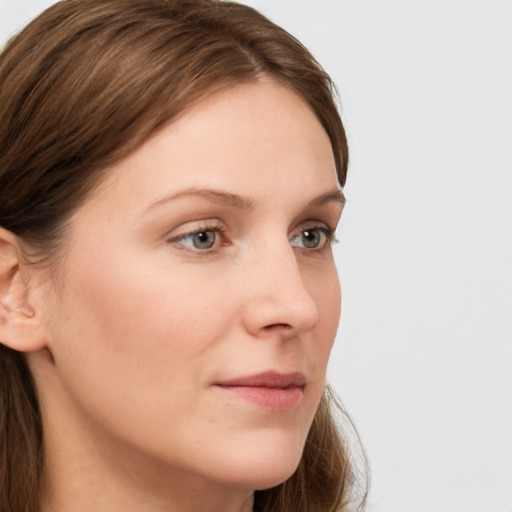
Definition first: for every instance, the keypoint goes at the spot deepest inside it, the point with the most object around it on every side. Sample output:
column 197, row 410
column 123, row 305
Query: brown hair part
column 81, row 88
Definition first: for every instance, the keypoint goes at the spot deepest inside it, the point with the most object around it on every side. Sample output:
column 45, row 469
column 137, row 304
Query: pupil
column 204, row 240
column 311, row 239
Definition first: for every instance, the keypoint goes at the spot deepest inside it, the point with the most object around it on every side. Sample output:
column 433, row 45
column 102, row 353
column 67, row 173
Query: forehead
column 251, row 139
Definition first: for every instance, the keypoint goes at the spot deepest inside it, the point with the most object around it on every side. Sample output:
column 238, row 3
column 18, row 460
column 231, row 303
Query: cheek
column 122, row 329
column 140, row 307
column 323, row 286
column 133, row 350
column 327, row 293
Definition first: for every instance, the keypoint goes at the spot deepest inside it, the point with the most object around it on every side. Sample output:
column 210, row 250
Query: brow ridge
column 243, row 203
column 212, row 195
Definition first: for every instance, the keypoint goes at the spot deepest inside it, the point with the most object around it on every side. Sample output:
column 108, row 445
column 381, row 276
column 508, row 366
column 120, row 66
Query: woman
column 170, row 177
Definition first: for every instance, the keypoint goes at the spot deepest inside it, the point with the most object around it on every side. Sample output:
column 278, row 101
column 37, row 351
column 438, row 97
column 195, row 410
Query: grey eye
column 202, row 240
column 314, row 238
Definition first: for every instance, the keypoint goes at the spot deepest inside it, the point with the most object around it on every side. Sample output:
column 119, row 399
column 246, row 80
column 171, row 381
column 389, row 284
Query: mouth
column 269, row 390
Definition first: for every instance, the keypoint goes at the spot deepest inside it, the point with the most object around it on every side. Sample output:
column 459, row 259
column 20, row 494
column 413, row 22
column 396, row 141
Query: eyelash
column 219, row 228
column 328, row 233
column 216, row 229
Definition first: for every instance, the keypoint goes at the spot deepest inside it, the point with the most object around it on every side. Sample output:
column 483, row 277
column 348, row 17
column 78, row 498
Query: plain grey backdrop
column 423, row 359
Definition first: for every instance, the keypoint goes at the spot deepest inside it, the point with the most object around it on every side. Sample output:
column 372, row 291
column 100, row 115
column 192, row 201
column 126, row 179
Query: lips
column 270, row 390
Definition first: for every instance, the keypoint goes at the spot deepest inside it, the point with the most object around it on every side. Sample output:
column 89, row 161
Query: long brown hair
column 83, row 86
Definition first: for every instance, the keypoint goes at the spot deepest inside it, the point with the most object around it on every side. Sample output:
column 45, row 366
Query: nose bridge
column 278, row 297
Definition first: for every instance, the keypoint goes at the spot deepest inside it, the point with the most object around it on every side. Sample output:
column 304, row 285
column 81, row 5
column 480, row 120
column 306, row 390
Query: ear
column 20, row 328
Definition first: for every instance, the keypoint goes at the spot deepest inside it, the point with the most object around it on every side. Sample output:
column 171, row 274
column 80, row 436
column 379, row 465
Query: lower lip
column 268, row 398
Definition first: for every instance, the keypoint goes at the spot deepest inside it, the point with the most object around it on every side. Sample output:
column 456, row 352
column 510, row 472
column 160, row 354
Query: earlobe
column 19, row 325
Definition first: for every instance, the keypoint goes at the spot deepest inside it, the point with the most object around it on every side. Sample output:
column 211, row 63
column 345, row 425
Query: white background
column 424, row 356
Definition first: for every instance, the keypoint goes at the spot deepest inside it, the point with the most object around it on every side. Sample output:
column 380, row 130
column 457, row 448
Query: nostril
column 274, row 327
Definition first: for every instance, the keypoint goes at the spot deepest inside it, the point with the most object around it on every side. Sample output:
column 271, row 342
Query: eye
column 315, row 238
column 203, row 240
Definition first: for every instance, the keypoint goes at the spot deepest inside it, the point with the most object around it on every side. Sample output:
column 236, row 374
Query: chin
column 265, row 477
column 274, row 476
column 264, row 464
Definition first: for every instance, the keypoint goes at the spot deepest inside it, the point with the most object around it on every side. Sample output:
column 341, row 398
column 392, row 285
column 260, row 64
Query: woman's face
column 198, row 298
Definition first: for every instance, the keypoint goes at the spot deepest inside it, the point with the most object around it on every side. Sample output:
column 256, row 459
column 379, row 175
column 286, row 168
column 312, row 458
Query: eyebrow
column 335, row 195
column 212, row 195
column 242, row 203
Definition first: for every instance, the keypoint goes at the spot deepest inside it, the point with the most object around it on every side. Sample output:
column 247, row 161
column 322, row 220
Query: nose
column 278, row 302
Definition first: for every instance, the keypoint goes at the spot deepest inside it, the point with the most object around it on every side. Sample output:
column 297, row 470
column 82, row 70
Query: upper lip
column 270, row 379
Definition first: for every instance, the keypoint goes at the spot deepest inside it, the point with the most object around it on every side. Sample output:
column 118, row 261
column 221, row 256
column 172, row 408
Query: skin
column 139, row 324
